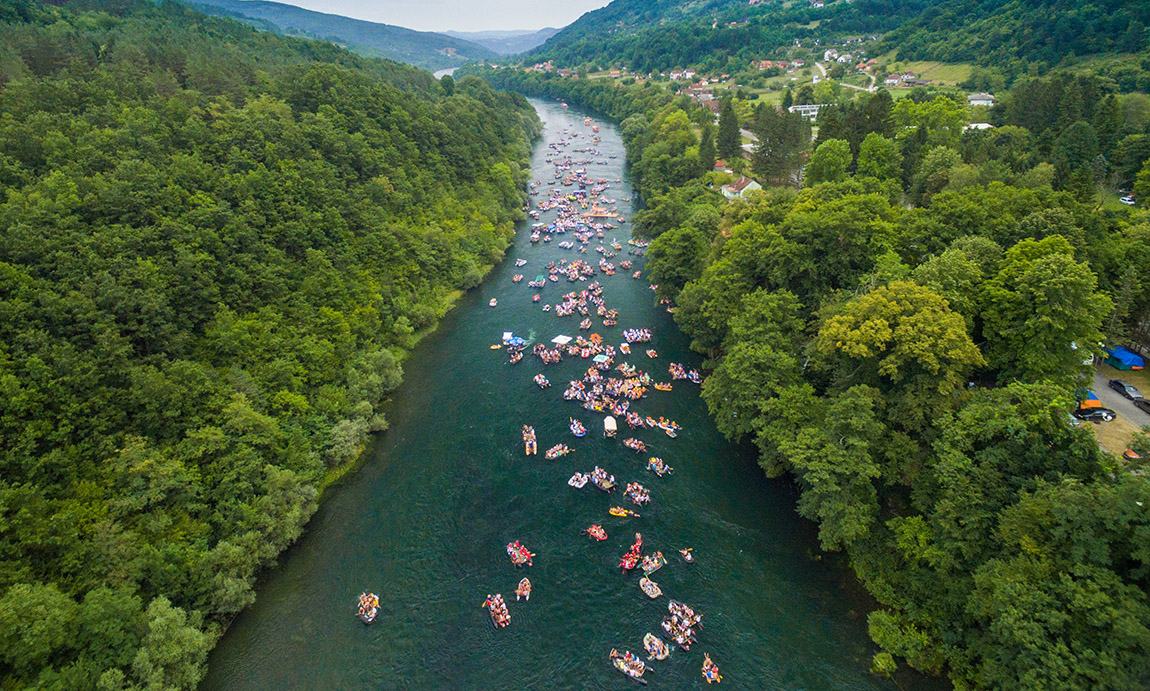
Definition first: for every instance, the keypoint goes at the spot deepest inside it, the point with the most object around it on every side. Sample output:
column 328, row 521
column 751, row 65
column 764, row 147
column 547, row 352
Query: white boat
column 578, row 480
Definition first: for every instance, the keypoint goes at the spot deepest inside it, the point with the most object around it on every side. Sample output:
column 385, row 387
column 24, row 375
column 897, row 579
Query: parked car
column 1128, row 200
column 1125, row 389
column 1094, row 414
column 1142, row 404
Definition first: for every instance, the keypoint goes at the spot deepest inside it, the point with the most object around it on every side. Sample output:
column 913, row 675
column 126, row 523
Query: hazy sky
column 458, row 15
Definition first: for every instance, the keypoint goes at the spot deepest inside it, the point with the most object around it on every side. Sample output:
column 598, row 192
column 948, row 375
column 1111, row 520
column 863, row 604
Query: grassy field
column 942, row 73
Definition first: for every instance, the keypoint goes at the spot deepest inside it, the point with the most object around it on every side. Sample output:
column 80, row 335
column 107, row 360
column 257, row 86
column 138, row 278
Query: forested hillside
column 904, row 338
column 216, row 246
column 1014, row 37
column 429, row 50
column 1011, row 34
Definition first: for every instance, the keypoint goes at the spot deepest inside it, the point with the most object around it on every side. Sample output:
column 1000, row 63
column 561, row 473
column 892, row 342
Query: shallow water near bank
column 424, row 522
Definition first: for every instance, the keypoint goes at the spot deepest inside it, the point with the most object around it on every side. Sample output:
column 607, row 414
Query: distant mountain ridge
column 506, row 42
column 431, row 51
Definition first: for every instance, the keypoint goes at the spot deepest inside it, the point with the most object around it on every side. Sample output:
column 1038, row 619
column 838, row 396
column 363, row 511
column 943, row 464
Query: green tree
column 707, row 147
column 905, row 340
column 730, row 141
column 36, row 625
column 1040, row 302
column 829, row 162
column 878, row 158
column 174, row 649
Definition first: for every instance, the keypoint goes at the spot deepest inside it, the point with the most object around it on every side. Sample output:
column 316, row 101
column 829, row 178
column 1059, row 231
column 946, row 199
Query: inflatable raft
column 656, row 648
column 650, row 588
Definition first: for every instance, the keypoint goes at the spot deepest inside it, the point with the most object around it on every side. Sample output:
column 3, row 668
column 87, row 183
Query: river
column 425, row 520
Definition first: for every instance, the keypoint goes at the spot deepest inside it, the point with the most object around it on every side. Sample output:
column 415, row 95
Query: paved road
column 1117, row 402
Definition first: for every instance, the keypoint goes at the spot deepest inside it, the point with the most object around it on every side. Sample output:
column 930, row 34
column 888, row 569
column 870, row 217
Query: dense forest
column 216, row 247
column 426, row 49
column 904, row 338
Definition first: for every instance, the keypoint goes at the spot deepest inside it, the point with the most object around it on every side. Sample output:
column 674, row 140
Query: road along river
column 425, row 521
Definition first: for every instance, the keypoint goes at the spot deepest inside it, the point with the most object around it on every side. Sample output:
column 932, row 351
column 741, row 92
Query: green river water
column 425, row 520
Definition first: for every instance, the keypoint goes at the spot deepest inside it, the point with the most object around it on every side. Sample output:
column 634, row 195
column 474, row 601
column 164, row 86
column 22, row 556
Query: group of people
column 635, row 444
column 679, row 372
column 658, row 465
column 556, row 451
column 519, row 554
column 638, row 493
column 368, row 607
column 637, row 335
column 529, row 445
column 498, row 609
column 631, row 559
column 602, row 479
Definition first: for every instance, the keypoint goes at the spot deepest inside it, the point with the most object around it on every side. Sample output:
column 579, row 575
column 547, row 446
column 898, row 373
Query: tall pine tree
column 730, row 141
column 707, row 148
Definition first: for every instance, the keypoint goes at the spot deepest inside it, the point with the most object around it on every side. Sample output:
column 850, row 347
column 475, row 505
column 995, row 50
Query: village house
column 830, row 54
column 980, row 99
column 740, row 188
column 845, row 59
column 565, row 73
column 892, row 80
column 809, row 111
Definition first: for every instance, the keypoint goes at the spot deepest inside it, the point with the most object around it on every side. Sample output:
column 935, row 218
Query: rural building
column 740, row 188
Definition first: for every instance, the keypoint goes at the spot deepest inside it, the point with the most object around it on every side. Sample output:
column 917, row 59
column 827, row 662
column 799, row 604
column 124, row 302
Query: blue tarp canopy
column 1121, row 358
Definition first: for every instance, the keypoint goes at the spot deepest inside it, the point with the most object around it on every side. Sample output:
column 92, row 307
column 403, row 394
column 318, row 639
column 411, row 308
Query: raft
column 656, row 648
column 653, row 563
column 650, row 588
column 635, row 673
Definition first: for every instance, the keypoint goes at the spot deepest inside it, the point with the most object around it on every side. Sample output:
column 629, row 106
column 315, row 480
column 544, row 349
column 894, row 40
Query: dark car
column 1094, row 414
column 1125, row 389
column 1142, row 404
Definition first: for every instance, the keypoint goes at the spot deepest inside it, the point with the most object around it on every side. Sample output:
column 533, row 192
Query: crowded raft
column 368, row 607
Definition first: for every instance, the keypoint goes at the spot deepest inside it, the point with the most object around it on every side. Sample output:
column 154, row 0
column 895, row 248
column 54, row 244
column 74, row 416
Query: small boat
column 687, row 556
column 497, row 346
column 651, row 353
column 600, row 479
column 578, row 480
column 656, row 648
column 500, row 617
column 653, row 563
column 635, row 444
column 663, row 387
column 625, row 349
column 711, row 670
column 659, row 466
column 650, row 588
column 519, row 554
column 523, row 591
column 609, row 427
column 493, row 302
column 520, row 262
column 629, row 665
column 536, row 297
column 541, row 381
column 368, row 607
column 515, row 357
column 517, row 278
column 557, row 451
column 577, row 428
column 529, row 446
column 596, row 532
column 620, row 511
